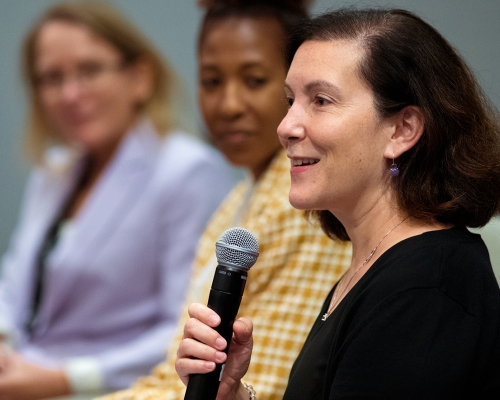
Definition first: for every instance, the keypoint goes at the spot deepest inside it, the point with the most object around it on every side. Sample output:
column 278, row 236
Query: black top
column 422, row 323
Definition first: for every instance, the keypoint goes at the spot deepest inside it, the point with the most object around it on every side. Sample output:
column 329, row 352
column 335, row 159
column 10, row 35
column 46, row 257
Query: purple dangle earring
column 394, row 168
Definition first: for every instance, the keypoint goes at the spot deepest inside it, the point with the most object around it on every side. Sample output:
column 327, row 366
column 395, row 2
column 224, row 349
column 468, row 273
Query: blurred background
column 470, row 25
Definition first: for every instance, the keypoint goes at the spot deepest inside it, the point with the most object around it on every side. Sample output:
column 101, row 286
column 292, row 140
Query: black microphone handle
column 225, row 298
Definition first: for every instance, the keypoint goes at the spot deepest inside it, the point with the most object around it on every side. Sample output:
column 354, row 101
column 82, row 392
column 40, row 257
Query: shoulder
column 185, row 149
column 453, row 263
column 437, row 279
column 433, row 254
column 176, row 150
column 182, row 155
column 445, row 253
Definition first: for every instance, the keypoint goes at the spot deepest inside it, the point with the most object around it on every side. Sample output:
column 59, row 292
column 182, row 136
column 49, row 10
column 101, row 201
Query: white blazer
column 115, row 282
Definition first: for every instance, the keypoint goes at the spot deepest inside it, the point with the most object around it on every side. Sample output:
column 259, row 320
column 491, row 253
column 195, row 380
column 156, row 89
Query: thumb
column 238, row 360
column 242, row 329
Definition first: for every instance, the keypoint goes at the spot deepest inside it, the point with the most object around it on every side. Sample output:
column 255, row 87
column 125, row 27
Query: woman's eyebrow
column 318, row 83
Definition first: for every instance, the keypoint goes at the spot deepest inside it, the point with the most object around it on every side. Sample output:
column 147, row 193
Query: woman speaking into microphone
column 395, row 148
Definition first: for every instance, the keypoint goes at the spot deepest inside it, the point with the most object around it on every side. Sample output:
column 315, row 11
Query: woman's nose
column 292, row 126
column 70, row 89
column 232, row 103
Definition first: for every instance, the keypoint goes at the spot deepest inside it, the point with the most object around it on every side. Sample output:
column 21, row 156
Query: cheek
column 123, row 94
column 270, row 120
column 207, row 109
column 122, row 106
column 50, row 108
column 273, row 102
column 113, row 111
column 210, row 123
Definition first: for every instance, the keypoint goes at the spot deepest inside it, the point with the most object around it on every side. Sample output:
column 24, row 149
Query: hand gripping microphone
column 236, row 250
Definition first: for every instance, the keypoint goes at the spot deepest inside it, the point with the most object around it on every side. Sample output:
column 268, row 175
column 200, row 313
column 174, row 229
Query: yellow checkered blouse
column 297, row 267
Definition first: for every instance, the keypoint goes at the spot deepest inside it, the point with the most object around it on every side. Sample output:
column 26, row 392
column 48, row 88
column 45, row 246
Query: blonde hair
column 109, row 25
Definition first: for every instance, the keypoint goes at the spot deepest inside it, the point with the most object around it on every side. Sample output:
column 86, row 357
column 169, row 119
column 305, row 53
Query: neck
column 94, row 167
column 371, row 234
column 367, row 221
column 258, row 170
column 369, row 247
column 382, row 229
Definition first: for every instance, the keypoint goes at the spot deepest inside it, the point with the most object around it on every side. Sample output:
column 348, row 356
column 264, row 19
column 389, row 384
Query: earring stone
column 394, row 171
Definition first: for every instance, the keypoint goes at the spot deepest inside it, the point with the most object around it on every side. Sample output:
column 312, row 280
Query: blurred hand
column 202, row 347
column 22, row 380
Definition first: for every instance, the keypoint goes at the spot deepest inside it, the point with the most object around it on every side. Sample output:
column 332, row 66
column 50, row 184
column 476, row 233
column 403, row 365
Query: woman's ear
column 143, row 76
column 409, row 125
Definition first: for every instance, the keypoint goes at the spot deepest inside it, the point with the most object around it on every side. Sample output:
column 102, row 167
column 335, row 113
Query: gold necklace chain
column 334, row 303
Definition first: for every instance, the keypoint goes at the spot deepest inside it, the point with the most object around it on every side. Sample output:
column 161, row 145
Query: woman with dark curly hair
column 395, row 147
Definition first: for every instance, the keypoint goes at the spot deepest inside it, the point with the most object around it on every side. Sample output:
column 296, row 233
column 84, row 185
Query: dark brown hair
column 452, row 175
column 288, row 13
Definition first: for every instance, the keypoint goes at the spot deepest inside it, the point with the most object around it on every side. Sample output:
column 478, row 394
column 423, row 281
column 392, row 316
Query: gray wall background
column 470, row 25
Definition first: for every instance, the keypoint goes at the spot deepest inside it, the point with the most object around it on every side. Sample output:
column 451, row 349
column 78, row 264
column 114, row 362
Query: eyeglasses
column 86, row 75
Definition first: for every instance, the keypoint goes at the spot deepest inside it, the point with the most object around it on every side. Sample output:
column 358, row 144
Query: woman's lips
column 301, row 164
column 234, row 138
column 297, row 162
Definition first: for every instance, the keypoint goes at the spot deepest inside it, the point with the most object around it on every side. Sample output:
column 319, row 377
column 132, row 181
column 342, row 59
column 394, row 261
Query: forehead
column 243, row 39
column 66, row 41
column 335, row 61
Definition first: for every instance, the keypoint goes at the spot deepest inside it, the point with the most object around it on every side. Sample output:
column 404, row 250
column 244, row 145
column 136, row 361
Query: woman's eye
column 50, row 79
column 209, row 83
column 254, row 82
column 89, row 70
column 321, row 101
column 289, row 101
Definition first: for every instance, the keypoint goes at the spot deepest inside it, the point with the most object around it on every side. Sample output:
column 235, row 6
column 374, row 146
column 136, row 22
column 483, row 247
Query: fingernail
column 220, row 343
column 210, row 365
column 214, row 319
column 220, row 356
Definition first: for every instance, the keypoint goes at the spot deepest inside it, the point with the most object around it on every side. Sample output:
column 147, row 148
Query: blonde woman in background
column 97, row 268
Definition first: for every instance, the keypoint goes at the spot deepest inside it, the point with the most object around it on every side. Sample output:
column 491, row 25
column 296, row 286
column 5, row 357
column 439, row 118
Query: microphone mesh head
column 237, row 247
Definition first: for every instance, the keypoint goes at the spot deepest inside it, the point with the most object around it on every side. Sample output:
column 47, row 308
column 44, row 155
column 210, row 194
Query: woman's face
column 241, row 75
column 332, row 132
column 88, row 95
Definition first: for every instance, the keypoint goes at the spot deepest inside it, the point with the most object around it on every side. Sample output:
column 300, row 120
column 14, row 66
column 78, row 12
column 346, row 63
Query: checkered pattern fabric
column 286, row 287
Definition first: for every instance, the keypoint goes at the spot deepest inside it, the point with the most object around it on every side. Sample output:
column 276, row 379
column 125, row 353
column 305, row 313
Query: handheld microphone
column 236, row 250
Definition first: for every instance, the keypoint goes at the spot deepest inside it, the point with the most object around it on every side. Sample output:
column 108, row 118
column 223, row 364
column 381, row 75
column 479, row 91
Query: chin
column 300, row 203
column 80, row 134
column 303, row 200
